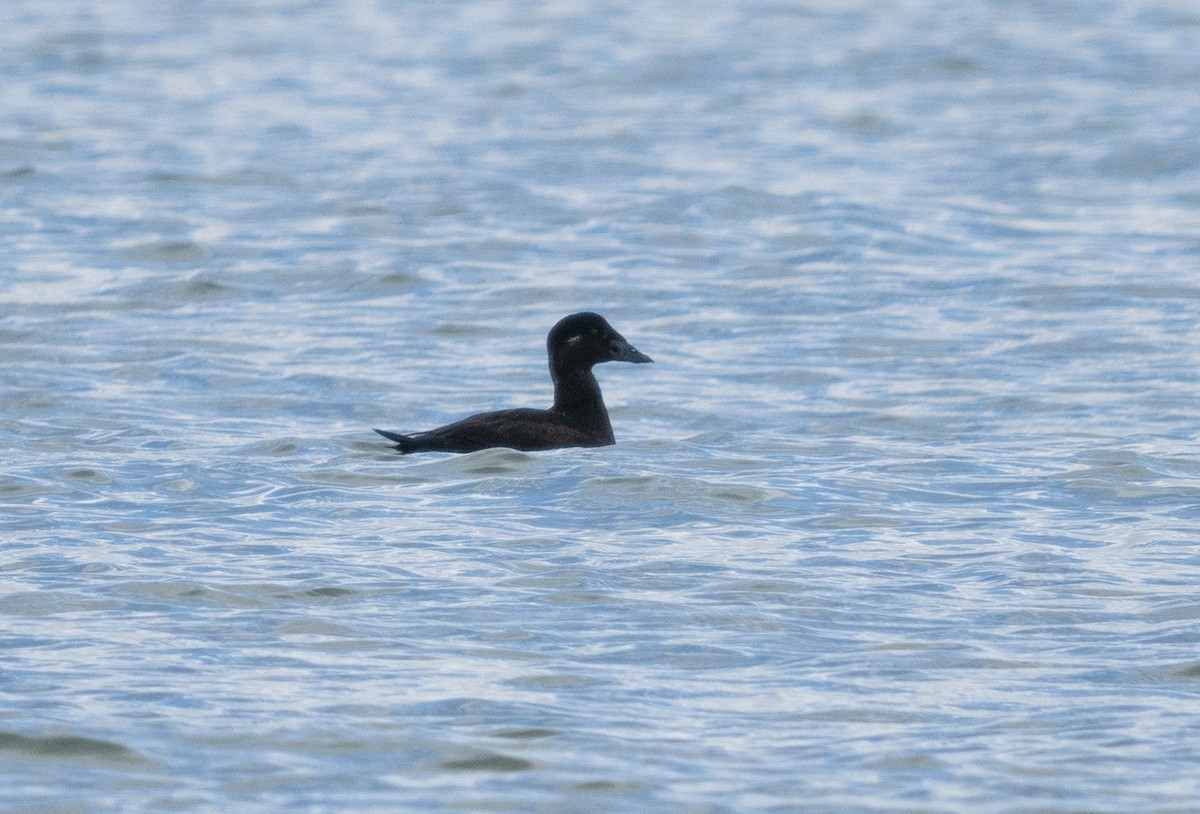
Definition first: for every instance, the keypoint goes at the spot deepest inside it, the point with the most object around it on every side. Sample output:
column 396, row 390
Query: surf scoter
column 577, row 419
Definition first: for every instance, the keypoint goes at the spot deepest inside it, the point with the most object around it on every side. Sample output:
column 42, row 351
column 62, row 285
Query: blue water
column 904, row 517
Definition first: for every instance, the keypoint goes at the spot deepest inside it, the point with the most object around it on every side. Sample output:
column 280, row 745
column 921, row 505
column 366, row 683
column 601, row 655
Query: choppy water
column 904, row 517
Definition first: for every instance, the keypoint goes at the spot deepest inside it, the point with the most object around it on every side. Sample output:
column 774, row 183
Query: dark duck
column 577, row 419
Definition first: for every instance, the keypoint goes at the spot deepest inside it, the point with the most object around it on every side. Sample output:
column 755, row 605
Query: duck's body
column 524, row 429
column 578, row 417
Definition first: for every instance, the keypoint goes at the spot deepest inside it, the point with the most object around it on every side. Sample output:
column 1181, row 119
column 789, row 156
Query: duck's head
column 585, row 339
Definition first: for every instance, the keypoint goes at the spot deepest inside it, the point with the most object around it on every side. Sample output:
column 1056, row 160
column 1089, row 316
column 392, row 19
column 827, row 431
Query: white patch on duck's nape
column 574, row 340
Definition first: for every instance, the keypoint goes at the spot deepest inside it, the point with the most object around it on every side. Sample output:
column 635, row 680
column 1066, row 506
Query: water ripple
column 903, row 515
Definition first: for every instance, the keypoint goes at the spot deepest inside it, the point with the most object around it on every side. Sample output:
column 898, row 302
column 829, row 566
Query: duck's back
column 524, row 429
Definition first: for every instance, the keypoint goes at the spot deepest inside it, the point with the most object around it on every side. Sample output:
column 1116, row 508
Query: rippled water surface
column 904, row 517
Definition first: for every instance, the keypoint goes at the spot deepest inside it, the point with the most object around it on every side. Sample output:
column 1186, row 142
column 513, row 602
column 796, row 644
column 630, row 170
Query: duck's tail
column 404, row 443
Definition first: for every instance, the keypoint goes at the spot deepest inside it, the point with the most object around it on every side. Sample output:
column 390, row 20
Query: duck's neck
column 577, row 394
column 576, row 391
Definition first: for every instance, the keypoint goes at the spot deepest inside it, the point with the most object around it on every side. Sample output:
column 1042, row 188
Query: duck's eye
column 594, row 331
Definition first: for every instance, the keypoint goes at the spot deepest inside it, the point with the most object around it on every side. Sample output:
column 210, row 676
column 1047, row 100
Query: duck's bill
column 624, row 352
